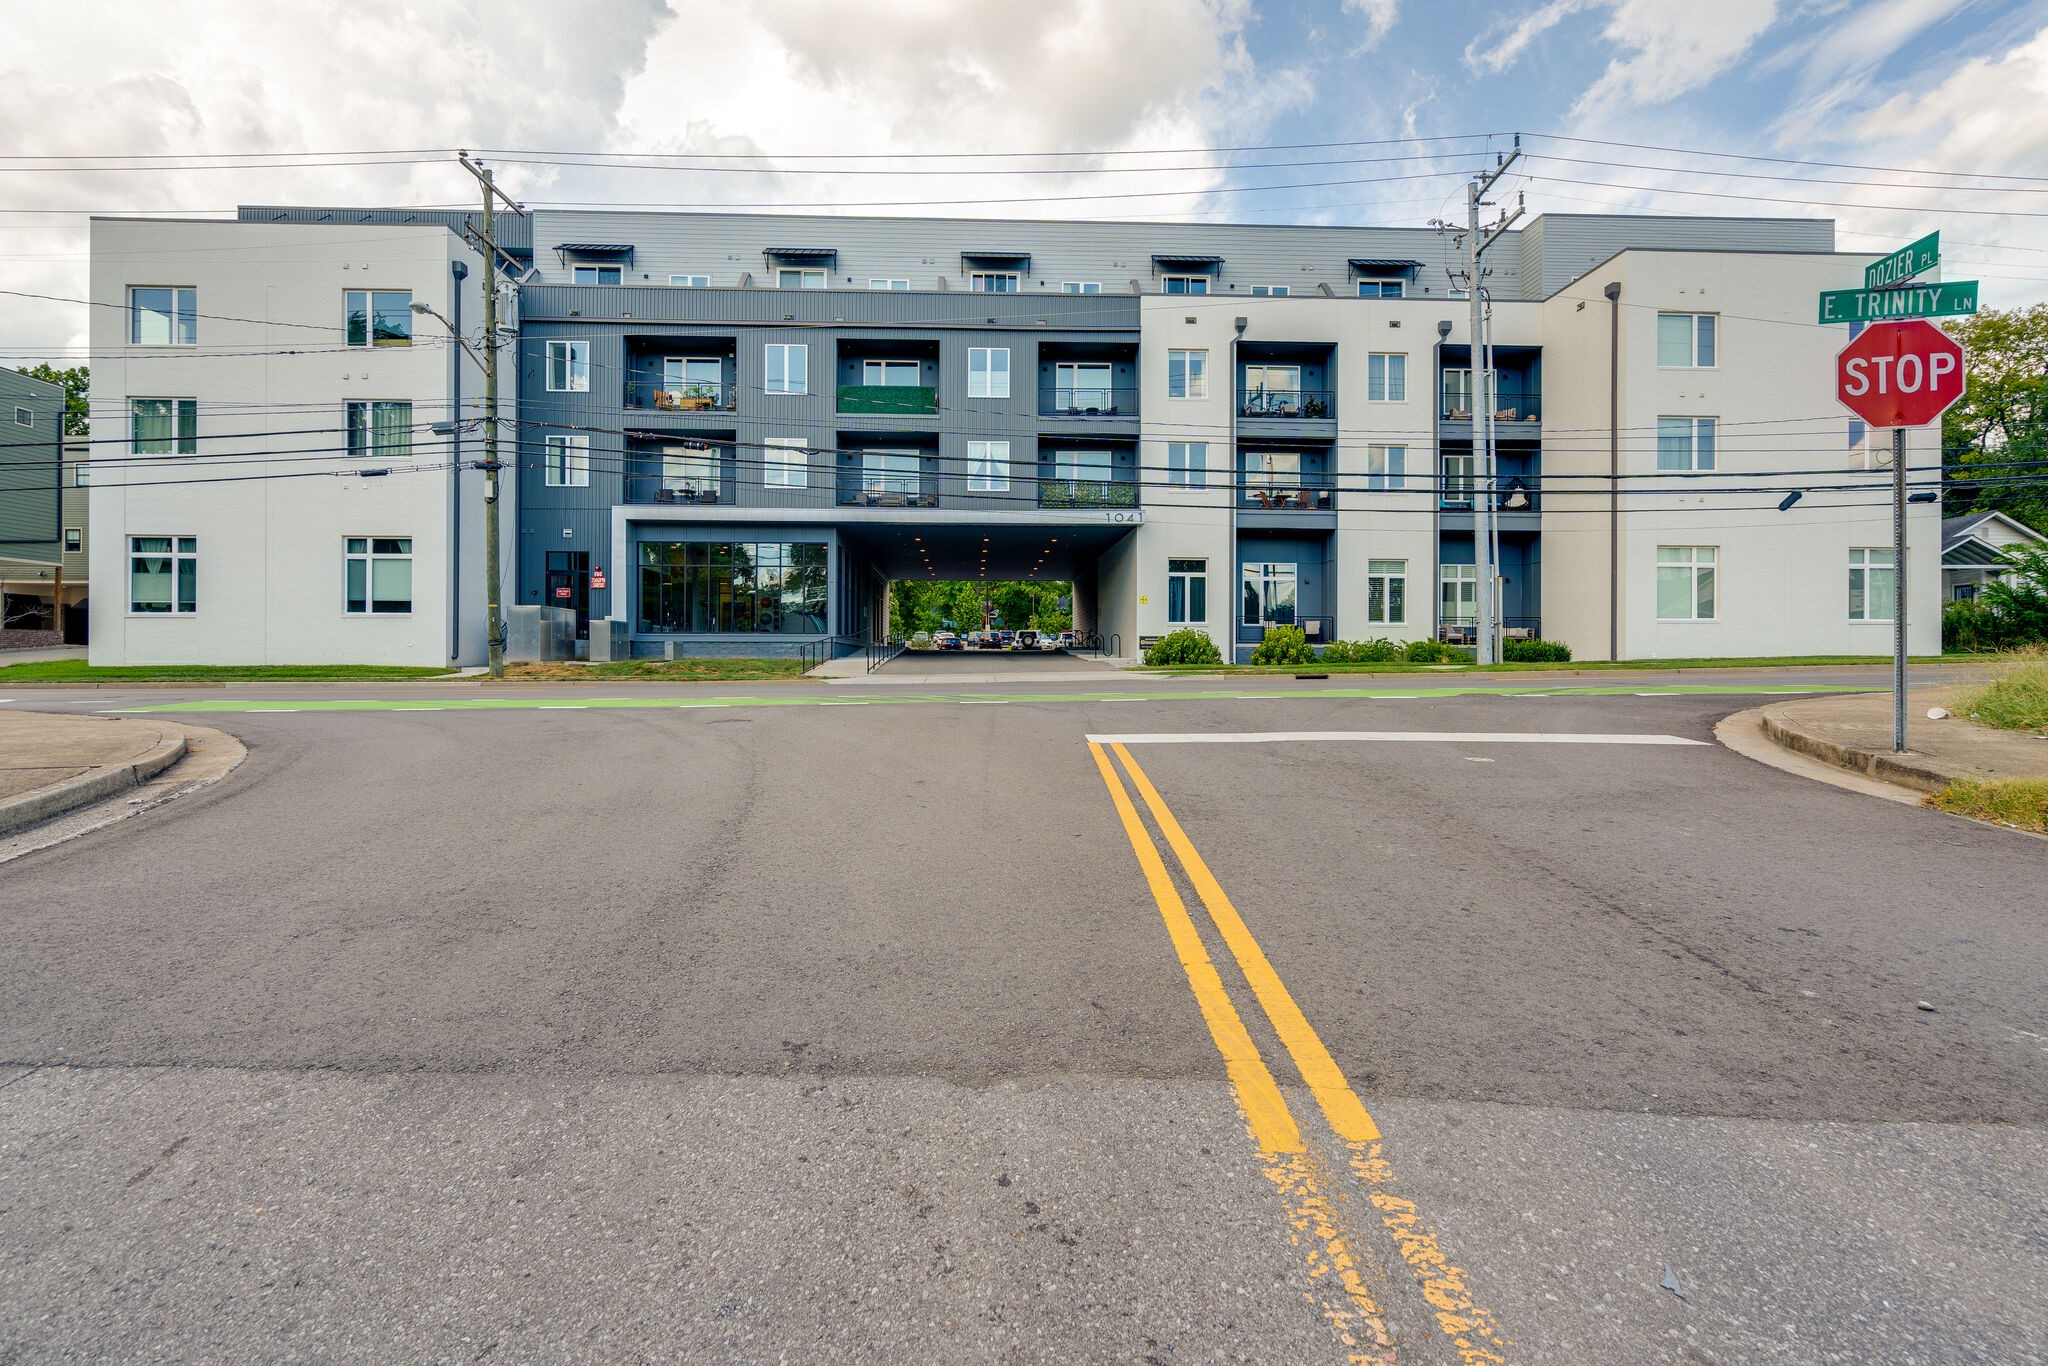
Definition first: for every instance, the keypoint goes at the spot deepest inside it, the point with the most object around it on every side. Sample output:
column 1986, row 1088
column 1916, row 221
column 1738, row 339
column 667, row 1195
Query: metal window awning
column 1019, row 259
column 622, row 251
column 1187, row 262
column 1384, row 265
column 801, row 253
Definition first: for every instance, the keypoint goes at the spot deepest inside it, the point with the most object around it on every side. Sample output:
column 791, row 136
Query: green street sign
column 1947, row 300
column 1917, row 258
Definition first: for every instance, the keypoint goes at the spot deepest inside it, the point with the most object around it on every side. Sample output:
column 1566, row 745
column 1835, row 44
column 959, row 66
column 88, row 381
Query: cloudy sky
column 809, row 103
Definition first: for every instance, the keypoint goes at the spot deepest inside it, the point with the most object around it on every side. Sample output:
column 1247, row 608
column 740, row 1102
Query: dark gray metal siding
column 31, row 459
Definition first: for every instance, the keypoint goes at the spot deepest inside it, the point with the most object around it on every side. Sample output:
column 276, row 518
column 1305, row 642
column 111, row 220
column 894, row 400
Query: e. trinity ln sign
column 1948, row 300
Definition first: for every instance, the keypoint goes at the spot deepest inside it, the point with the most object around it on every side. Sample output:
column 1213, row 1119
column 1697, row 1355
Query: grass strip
column 2021, row 803
column 78, row 671
column 2015, row 699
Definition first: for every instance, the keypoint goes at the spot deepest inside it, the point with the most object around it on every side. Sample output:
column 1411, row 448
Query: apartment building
column 732, row 432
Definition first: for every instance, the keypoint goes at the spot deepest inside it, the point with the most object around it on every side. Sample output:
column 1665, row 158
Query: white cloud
column 1379, row 16
column 1503, row 43
column 1673, row 48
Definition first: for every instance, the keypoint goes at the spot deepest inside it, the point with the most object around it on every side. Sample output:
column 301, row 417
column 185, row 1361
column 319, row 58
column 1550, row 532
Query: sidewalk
column 50, row 763
column 1855, row 732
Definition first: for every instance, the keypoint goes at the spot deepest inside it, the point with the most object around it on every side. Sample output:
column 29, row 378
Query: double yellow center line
column 1470, row 1328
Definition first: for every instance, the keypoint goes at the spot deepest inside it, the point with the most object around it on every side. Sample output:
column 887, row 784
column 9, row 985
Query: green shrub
column 2019, row 597
column 1435, row 652
column 1535, row 652
column 1361, row 651
column 1284, row 645
column 1972, row 626
column 1184, row 647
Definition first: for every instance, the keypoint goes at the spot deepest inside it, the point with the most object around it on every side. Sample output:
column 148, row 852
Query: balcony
column 1288, row 403
column 1302, row 497
column 1512, row 408
column 889, row 400
column 1319, row 630
column 1087, row 493
column 869, row 495
column 1058, row 400
column 692, row 396
column 1464, row 630
column 679, row 475
column 1516, row 494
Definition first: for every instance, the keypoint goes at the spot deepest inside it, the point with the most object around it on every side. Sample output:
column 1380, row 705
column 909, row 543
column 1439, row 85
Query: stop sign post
column 1899, row 375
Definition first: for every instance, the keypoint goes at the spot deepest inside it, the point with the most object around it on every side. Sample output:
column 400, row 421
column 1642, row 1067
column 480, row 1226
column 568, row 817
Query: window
column 568, row 461
column 1187, row 591
column 890, row 472
column 994, row 282
column 163, row 316
column 163, row 574
column 1382, row 289
column 888, row 374
column 1269, row 595
column 786, row 462
column 1080, row 286
column 799, row 279
column 1272, row 389
column 1271, row 291
column 1686, row 340
column 24, row 418
column 380, row 430
column 692, row 382
column 690, row 281
column 755, row 587
column 789, row 368
column 1459, row 404
column 1079, row 385
column 1187, row 374
column 1185, row 284
column 1091, row 465
column 1272, row 469
column 163, row 426
column 74, row 540
column 1457, row 595
column 1459, row 480
column 1685, row 443
column 888, row 284
column 569, row 367
column 1187, row 464
column 1386, row 377
column 597, row 275
column 81, row 474
column 1873, row 579
column 988, row 372
column 1685, row 582
column 1386, row 592
column 1386, row 468
column 379, row 576
column 691, row 470
column 379, row 317
column 988, row 466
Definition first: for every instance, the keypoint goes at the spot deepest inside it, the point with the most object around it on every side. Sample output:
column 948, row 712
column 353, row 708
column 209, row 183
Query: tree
column 2003, row 417
column 75, row 382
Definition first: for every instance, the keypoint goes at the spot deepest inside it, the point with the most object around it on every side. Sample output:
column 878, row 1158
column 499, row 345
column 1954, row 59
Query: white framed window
column 1268, row 594
column 1386, row 468
column 799, row 278
column 1187, row 374
column 1272, row 470
column 567, row 462
column 890, row 472
column 988, row 372
column 1187, row 464
column 74, row 539
column 1271, row 291
column 597, row 275
column 988, row 466
column 1386, row 592
column 1184, row 284
column 81, row 474
column 888, row 374
column 378, row 317
column 1457, row 594
column 879, row 283
column 1687, row 341
column 1382, row 289
column 163, row 575
column 1080, row 385
column 1460, row 477
column 1080, row 286
column 994, row 282
column 1685, row 582
column 1685, row 443
column 1459, row 402
column 1386, row 377
column 785, row 462
column 378, row 577
column 163, row 315
column 691, row 470
column 24, row 418
column 1873, row 581
column 380, row 429
column 690, row 281
column 1187, row 592
column 569, row 367
column 788, row 368
column 163, row 426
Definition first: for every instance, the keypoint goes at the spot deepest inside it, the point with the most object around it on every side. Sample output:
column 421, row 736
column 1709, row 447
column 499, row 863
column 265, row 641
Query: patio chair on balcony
column 1504, row 415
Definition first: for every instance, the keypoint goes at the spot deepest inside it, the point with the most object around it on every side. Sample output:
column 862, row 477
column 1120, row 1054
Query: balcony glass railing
column 1288, row 498
column 886, row 493
column 1087, row 493
column 1086, row 400
column 1287, row 403
column 1510, row 406
column 695, row 396
column 888, row 398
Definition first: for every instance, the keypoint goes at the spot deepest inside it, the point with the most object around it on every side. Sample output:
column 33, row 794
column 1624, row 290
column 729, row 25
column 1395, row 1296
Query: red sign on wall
column 562, row 592
column 597, row 577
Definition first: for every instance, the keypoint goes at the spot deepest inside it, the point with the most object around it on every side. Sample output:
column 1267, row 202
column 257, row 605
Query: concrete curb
column 1916, row 771
column 33, row 807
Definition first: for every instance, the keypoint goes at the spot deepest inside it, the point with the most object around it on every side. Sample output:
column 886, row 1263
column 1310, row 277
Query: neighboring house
column 1973, row 547
column 33, row 508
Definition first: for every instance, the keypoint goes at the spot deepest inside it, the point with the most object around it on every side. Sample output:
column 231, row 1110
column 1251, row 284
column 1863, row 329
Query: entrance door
column 569, row 585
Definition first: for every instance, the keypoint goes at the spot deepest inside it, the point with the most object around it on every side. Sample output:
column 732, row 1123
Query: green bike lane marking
column 944, row 699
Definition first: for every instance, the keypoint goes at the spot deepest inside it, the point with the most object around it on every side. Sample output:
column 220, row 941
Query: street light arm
column 460, row 340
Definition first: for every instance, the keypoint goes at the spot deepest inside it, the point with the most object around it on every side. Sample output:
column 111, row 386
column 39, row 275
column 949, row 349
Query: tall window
column 1459, row 401
column 799, row 279
column 1187, row 464
column 567, row 461
column 995, row 281
column 163, row 316
column 1386, row 592
column 785, row 462
column 692, row 382
column 1089, row 465
column 1272, row 469
column 690, row 281
column 569, row 367
column 1080, row 286
column 890, row 472
column 163, row 574
column 1685, row 582
column 1268, row 595
column 1386, row 377
column 1187, row 591
column 380, row 430
column 164, row 426
column 1686, row 340
column 1272, row 389
column 1185, row 284
column 1080, row 384
column 890, row 284
column 1386, row 468
column 1381, row 289
column 597, row 275
column 774, row 587
column 1187, row 374
column 888, row 374
column 789, row 368
column 1685, row 443
column 1271, row 291
column 379, row 581
column 691, row 470
column 1457, row 601
column 379, row 317
column 1459, row 479
column 1873, row 580
column 988, row 372
column 988, row 466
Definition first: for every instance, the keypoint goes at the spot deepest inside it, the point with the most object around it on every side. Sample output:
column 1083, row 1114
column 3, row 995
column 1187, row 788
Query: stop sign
column 1903, row 374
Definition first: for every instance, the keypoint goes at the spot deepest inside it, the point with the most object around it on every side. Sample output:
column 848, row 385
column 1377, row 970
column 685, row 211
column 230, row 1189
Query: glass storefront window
column 726, row 588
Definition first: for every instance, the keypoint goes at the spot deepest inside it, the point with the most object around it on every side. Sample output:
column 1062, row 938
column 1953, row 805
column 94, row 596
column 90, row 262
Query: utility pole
column 1477, row 240
column 494, row 618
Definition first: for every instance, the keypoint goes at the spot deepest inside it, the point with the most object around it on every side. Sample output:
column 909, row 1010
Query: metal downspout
column 1613, row 292
column 460, row 272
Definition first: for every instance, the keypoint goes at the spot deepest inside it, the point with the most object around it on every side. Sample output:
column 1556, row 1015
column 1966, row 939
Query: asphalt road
column 730, row 1031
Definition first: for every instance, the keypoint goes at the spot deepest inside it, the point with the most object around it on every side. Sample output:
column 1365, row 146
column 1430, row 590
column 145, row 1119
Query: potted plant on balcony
column 1315, row 407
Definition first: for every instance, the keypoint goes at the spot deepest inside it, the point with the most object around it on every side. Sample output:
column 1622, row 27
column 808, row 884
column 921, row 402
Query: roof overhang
column 1018, row 260
column 817, row 254
column 1383, row 265
column 1179, row 262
